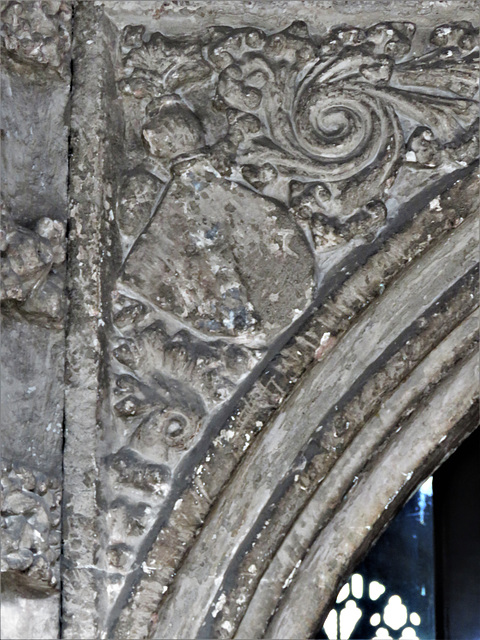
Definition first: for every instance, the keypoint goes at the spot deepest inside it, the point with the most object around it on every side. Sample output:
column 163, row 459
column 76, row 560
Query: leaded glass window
column 391, row 593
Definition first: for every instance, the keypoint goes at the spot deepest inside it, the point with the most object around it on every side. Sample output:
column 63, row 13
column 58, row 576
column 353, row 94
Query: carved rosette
column 37, row 32
column 30, row 523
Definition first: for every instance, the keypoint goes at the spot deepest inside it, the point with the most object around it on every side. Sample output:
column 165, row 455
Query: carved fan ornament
column 305, row 134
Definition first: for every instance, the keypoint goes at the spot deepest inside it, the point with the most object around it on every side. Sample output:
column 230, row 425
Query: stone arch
column 291, row 522
column 271, row 277
column 295, row 617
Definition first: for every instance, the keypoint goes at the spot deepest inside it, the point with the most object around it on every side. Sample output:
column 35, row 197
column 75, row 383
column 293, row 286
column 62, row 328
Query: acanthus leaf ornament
column 335, row 111
column 311, row 132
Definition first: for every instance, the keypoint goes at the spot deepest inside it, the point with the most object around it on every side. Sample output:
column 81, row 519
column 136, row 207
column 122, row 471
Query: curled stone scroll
column 261, row 155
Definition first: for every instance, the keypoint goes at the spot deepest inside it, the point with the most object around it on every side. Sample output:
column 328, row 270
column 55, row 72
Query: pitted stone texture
column 220, row 256
column 31, row 272
column 35, row 78
column 246, row 177
column 38, row 32
column 30, row 519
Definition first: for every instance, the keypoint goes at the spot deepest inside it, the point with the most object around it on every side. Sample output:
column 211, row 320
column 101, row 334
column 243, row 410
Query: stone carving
column 197, row 262
column 306, row 133
column 320, row 124
column 35, row 46
column 208, row 370
column 234, row 174
column 38, row 32
column 31, row 282
column 30, row 521
column 214, row 266
column 167, row 380
column 250, row 158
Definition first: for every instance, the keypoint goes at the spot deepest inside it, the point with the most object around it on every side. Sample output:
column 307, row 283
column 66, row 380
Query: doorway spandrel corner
column 239, row 302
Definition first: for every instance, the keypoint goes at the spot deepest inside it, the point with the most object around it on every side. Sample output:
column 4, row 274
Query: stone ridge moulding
column 247, row 179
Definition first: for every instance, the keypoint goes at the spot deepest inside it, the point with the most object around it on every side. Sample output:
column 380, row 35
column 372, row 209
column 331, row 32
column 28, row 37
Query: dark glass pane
column 391, row 593
column 457, row 540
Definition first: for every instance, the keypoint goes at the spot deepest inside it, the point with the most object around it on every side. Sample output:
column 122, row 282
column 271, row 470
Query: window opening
column 391, row 593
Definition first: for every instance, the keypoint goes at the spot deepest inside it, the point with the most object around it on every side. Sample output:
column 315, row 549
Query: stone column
column 35, row 77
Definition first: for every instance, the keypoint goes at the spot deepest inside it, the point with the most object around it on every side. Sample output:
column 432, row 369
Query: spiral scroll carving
column 335, row 110
column 344, row 130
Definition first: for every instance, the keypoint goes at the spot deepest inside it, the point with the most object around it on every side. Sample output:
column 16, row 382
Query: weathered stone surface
column 31, row 534
column 286, row 173
column 32, row 280
column 38, row 33
column 222, row 257
column 272, row 283
column 35, row 76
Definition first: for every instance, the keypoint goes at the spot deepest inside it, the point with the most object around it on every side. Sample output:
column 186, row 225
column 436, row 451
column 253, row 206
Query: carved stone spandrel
column 245, row 182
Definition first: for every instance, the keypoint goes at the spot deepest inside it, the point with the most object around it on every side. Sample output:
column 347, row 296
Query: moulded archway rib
column 258, row 328
column 398, row 340
column 449, row 416
column 393, row 417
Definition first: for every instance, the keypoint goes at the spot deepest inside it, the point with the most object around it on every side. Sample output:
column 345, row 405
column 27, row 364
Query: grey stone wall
column 239, row 287
column 35, row 85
